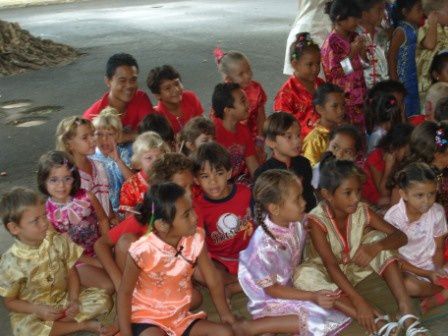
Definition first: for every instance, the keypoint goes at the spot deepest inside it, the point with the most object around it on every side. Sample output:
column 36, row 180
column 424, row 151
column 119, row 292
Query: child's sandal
column 415, row 328
column 389, row 329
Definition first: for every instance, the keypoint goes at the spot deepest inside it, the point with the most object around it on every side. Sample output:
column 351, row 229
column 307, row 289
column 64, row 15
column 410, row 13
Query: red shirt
column 191, row 107
column 370, row 191
column 239, row 144
column 228, row 225
column 129, row 225
column 136, row 110
column 257, row 99
column 133, row 190
column 294, row 98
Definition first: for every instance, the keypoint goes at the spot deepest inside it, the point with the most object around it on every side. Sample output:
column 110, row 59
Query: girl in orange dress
column 155, row 293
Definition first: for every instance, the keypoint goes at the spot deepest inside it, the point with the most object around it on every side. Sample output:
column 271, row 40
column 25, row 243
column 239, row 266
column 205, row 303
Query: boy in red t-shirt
column 230, row 108
column 175, row 103
column 225, row 209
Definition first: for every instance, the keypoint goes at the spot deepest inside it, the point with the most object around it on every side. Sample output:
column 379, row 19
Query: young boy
column 175, row 103
column 115, row 158
column 282, row 133
column 225, row 208
column 230, row 108
column 38, row 276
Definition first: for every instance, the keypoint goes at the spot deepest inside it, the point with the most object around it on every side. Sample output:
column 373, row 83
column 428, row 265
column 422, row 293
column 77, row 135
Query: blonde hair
column 109, row 118
column 228, row 59
column 67, row 129
column 145, row 142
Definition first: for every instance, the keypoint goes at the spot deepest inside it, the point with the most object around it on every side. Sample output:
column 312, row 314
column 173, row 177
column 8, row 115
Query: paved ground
column 181, row 33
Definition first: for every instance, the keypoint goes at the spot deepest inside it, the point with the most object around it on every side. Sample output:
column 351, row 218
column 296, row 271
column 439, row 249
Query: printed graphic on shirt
column 229, row 225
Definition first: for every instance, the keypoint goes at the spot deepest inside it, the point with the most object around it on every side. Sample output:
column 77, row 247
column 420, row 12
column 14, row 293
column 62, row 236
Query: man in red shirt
column 124, row 96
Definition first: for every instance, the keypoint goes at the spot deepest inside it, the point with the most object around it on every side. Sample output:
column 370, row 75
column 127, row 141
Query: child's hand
column 433, row 18
column 325, row 299
column 358, row 46
column 72, row 309
column 389, row 159
column 114, row 154
column 434, row 276
column 365, row 315
column 365, row 254
column 228, row 318
column 47, row 313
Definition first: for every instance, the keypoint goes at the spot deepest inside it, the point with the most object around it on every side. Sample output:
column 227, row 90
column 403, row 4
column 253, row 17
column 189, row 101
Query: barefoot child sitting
column 38, row 277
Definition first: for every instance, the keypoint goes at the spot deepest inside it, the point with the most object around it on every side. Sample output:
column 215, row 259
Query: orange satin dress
column 163, row 291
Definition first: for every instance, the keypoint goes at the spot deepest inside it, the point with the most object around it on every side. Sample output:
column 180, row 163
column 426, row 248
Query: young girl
column 424, row 223
column 382, row 113
column 432, row 39
column 159, row 268
column 330, row 105
column 439, row 86
column 296, row 94
column 197, row 131
column 382, row 161
column 408, row 15
column 147, row 148
column 75, row 136
column 235, row 67
column 343, row 55
column 267, row 265
column 73, row 211
column 349, row 242
column 115, row 158
column 38, row 277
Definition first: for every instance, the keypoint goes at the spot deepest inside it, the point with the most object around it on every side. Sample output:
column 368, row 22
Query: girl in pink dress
column 156, row 290
column 75, row 212
column 424, row 223
column 343, row 54
column 267, row 265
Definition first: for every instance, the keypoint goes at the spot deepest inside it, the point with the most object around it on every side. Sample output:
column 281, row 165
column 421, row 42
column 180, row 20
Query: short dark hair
column 438, row 63
column 56, row 159
column 216, row 155
column 381, row 108
column 159, row 124
column 441, row 111
column 351, row 131
column 397, row 137
column 277, row 124
column 366, row 5
column 118, row 60
column 387, row 86
column 415, row 172
column 159, row 202
column 339, row 10
column 333, row 172
column 223, row 98
column 167, row 166
column 322, row 92
column 158, row 74
column 194, row 128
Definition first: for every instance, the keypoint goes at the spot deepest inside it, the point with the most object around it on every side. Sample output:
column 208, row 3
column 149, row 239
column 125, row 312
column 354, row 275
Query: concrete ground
column 180, row 33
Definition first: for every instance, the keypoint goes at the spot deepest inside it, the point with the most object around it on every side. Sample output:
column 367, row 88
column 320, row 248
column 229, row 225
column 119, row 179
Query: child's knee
column 223, row 330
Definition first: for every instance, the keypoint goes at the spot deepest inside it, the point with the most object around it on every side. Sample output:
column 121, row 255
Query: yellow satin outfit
column 39, row 275
column 312, row 274
column 315, row 144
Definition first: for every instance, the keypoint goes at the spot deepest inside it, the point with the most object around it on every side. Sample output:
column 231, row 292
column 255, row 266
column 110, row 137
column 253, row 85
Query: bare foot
column 109, row 330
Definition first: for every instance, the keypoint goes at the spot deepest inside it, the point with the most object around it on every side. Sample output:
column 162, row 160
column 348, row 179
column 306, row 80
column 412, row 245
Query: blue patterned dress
column 407, row 68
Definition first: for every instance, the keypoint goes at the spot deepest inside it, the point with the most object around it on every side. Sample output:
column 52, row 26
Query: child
column 230, row 107
column 267, row 265
column 115, row 158
column 382, row 162
column 382, row 113
column 159, row 124
column 197, row 131
column 349, row 242
column 147, row 148
column 235, row 67
column 75, row 136
column 438, row 71
column 345, row 143
column 172, row 167
column 393, row 87
column 408, row 15
column 282, row 133
column 73, row 211
column 441, row 112
column 435, row 93
column 162, row 263
column 343, row 54
column 330, row 105
column 424, row 223
column 38, row 277
column 225, row 208
column 296, row 94
column 175, row 103
column 372, row 14
column 431, row 40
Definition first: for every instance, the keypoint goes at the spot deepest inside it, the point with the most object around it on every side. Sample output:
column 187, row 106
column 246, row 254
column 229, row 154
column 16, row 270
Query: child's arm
column 406, row 266
column 252, row 164
column 103, row 221
column 394, row 240
column 392, row 55
column 215, row 286
column 261, row 118
column 103, row 249
column 124, row 296
column 325, row 299
column 438, row 258
column 44, row 312
column 380, row 178
column 74, row 285
column 430, row 40
column 125, row 170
